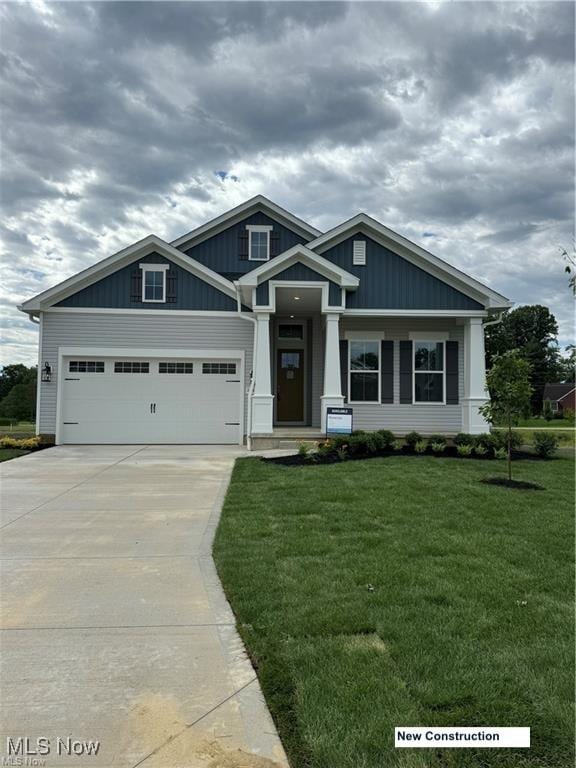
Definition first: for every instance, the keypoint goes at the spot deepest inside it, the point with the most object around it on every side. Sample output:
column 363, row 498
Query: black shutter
column 451, row 373
column 274, row 243
column 243, row 244
column 405, row 372
column 136, row 285
column 171, row 286
column 344, row 368
column 387, row 372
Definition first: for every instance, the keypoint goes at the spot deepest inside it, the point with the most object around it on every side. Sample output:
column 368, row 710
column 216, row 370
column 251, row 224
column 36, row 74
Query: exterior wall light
column 46, row 372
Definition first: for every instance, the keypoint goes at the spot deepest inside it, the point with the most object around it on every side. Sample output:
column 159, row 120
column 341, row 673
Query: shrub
column 24, row 444
column 421, row 446
column 9, row 442
column 568, row 413
column 437, row 447
column 386, row 437
column 480, row 449
column 398, row 445
column 303, row 450
column 545, row 444
column 499, row 439
column 463, row 438
column 411, row 439
column 500, row 453
column 464, row 449
column 484, row 439
column 547, row 411
column 342, row 452
column 359, row 443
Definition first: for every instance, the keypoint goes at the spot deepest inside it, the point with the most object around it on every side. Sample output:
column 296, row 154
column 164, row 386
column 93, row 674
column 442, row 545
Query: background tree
column 570, row 266
column 533, row 331
column 18, row 392
column 509, row 385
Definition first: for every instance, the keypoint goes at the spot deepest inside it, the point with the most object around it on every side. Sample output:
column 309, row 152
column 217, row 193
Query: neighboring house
column 561, row 396
column 254, row 321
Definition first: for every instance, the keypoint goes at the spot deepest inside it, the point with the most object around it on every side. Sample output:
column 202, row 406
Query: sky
column 451, row 123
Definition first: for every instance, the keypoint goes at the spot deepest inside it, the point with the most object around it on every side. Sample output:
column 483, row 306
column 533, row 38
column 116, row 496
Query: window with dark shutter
column 171, row 286
column 274, row 243
column 452, row 373
column 405, row 372
column 387, row 368
column 243, row 244
column 136, row 285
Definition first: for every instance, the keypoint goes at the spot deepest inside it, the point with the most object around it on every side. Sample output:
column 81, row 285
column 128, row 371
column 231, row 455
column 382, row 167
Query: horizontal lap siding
column 405, row 418
column 146, row 331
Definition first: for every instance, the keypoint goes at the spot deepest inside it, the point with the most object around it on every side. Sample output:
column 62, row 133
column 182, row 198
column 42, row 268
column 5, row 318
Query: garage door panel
column 153, row 407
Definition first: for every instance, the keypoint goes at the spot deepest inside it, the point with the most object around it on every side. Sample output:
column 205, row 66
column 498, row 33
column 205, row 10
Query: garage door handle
column 152, row 407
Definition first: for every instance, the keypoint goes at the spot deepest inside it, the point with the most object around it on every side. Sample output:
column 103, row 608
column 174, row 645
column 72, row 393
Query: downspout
column 251, row 382
column 495, row 322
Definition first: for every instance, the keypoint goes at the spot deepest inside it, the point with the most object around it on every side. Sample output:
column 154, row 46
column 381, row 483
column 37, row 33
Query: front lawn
column 11, row 453
column 402, row 591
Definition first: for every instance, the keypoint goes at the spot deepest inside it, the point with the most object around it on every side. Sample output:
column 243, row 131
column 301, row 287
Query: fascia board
column 227, row 219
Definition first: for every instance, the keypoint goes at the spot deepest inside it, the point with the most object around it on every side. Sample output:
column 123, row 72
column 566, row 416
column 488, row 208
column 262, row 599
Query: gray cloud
column 451, row 118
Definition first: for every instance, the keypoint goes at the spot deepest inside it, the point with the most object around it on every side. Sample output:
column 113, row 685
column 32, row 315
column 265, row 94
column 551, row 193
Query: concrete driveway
column 114, row 626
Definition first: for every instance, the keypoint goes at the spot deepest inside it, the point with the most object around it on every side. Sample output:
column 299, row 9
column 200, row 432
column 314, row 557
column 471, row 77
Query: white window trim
column 258, row 228
column 365, row 337
column 438, row 338
column 554, row 406
column 154, row 268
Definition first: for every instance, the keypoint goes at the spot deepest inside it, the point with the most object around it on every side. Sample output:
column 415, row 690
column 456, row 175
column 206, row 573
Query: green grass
column 470, row 621
column 566, row 439
column 18, row 429
column 543, row 424
column 11, row 453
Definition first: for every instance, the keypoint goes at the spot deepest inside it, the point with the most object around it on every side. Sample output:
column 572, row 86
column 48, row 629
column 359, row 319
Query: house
column 255, row 322
column 561, row 396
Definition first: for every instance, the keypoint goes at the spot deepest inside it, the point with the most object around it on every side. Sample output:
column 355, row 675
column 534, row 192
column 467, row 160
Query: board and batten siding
column 400, row 419
column 71, row 329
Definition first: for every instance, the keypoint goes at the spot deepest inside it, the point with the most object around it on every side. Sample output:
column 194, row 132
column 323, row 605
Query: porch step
column 286, row 439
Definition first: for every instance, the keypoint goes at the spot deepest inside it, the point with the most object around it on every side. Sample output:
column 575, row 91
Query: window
column 364, row 371
column 131, row 367
column 86, row 366
column 291, row 331
column 258, row 243
column 228, row 369
column 359, row 253
column 175, row 367
column 154, row 282
column 428, row 371
column 554, row 405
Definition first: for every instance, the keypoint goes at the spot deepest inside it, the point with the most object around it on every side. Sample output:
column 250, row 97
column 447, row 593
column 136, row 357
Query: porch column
column 332, row 393
column 262, row 399
column 475, row 393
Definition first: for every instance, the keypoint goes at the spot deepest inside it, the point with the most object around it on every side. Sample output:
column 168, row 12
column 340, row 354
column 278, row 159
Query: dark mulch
column 522, row 485
column 313, row 459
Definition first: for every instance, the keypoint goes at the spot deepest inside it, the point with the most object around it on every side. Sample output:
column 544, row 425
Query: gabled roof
column 302, row 254
column 557, row 391
column 413, row 253
column 258, row 203
column 150, row 244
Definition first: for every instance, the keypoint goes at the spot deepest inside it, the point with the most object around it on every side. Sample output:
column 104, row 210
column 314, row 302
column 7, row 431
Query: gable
column 114, row 291
column 389, row 281
column 221, row 252
column 299, row 272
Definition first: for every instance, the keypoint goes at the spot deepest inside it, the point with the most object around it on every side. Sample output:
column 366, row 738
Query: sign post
column 338, row 421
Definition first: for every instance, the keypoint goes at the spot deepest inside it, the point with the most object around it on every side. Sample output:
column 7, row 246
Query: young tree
column 509, row 385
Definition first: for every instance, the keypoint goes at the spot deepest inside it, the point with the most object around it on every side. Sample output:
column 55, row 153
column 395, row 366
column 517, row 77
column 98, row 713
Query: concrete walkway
column 114, row 625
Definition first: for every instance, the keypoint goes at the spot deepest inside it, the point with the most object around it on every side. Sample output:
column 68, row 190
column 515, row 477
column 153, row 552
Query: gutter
column 252, row 382
column 496, row 321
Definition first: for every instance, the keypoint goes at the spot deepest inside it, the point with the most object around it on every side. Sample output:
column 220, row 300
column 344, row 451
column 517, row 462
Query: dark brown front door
column 290, row 385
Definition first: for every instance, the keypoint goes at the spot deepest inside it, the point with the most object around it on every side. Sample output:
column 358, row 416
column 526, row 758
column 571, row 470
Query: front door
column 290, row 385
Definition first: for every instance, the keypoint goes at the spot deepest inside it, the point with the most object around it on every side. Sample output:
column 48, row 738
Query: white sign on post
column 338, row 421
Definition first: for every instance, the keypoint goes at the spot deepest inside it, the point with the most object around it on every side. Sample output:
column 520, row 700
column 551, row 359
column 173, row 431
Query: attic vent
column 359, row 253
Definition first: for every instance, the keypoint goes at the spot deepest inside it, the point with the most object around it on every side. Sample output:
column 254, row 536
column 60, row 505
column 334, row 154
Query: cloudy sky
column 452, row 123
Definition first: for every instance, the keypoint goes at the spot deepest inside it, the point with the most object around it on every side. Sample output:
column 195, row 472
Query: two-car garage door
column 150, row 400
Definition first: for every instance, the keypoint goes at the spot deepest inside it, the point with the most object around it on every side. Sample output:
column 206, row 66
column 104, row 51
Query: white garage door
column 143, row 400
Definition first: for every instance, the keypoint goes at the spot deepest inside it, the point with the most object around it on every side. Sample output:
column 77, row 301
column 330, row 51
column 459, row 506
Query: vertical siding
column 405, row 418
column 220, row 252
column 134, row 331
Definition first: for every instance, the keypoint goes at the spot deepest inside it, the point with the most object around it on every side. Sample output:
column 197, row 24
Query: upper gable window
column 258, row 242
column 154, row 282
column 359, row 253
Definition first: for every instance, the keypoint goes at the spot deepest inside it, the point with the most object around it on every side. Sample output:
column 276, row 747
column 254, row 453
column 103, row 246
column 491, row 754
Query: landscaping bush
column 387, row 438
column 437, row 439
column 481, row 449
column 498, row 439
column 24, row 444
column 547, row 411
column 464, row 449
column 303, row 449
column 568, row 413
column 463, row 438
column 437, row 447
column 500, row 453
column 412, row 438
column 421, row 446
column 398, row 445
column 545, row 444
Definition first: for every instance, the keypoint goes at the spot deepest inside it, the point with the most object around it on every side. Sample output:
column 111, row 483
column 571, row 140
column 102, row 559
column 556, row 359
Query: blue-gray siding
column 389, row 281
column 298, row 272
column 114, row 291
column 221, row 252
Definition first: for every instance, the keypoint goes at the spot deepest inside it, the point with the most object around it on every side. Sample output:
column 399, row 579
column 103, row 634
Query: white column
column 475, row 393
column 332, row 394
column 262, row 399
